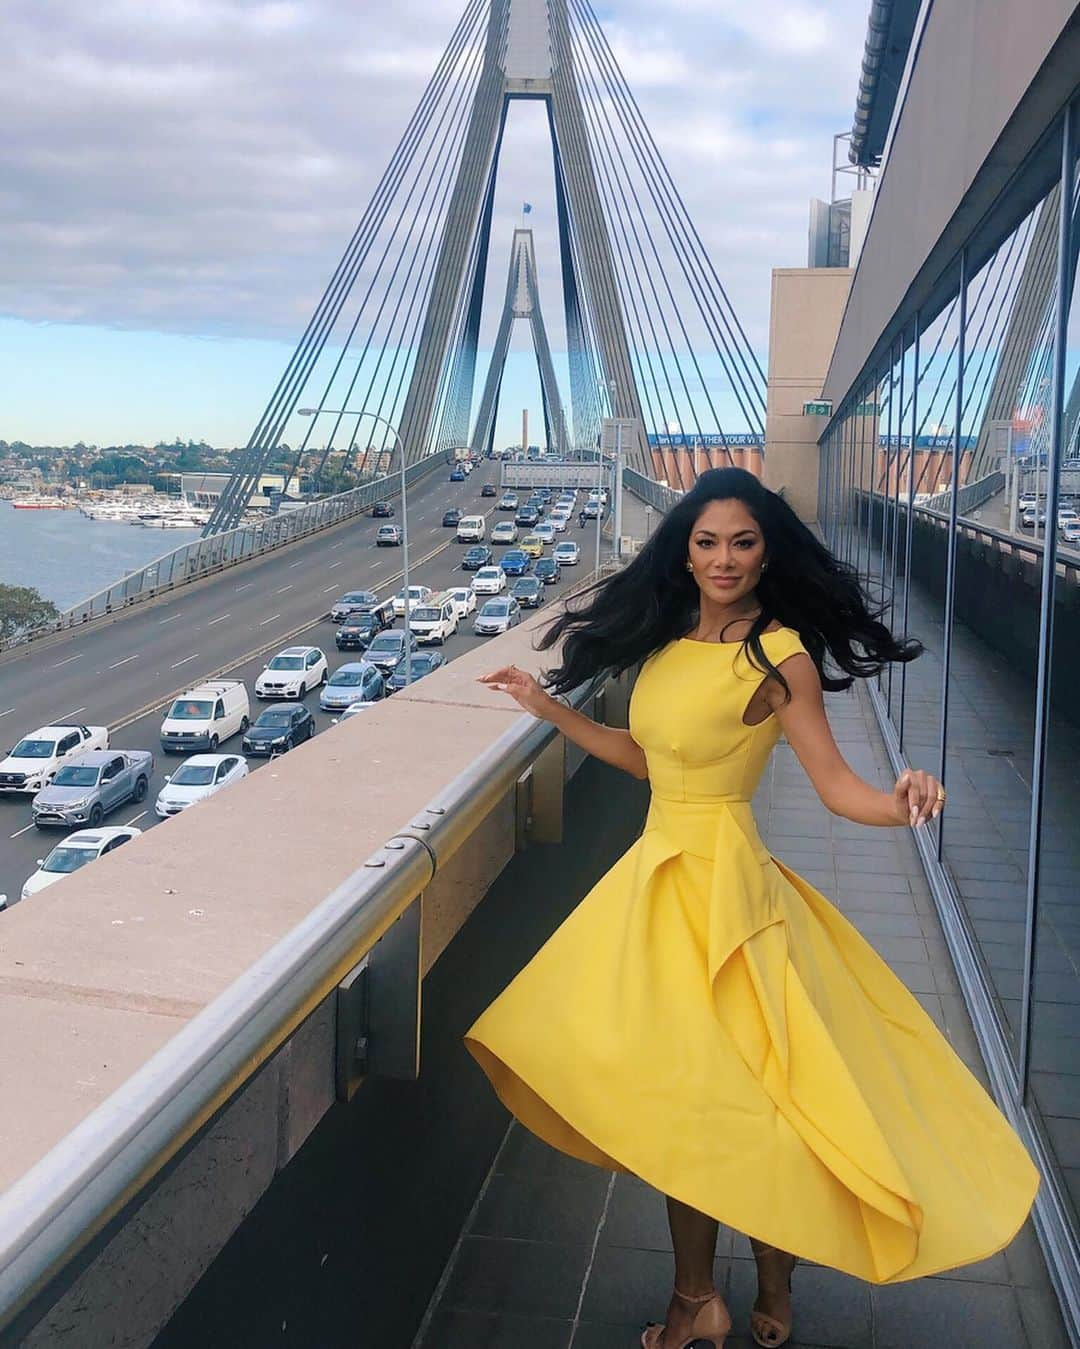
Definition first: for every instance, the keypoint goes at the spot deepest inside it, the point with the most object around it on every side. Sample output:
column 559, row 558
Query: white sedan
column 559, row 521
column 417, row 595
column 292, row 673
column 86, row 845
column 489, row 581
column 567, row 554
column 464, row 598
column 200, row 776
column 505, row 532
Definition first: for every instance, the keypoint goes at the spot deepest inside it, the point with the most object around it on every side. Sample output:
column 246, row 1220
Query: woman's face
column 726, row 551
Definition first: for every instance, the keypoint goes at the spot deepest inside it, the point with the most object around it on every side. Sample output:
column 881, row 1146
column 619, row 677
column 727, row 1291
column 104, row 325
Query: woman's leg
column 774, row 1269
column 693, row 1236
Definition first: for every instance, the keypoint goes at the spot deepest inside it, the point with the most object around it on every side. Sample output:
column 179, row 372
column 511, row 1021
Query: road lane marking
column 57, row 664
column 282, row 590
column 154, row 707
column 297, row 564
column 220, row 619
column 59, row 721
column 21, row 831
column 126, row 659
column 7, row 713
column 246, row 586
column 269, row 620
column 170, row 619
column 336, row 564
column 134, row 818
column 328, row 589
column 194, row 656
column 376, row 564
column 337, row 545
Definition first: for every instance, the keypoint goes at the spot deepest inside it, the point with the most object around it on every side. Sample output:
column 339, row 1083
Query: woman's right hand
column 522, row 687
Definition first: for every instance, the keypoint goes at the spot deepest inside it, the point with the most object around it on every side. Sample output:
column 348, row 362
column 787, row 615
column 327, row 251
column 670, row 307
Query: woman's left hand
column 919, row 797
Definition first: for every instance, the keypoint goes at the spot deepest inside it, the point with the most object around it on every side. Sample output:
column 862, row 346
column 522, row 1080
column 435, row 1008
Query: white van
column 436, row 620
column 205, row 716
column 471, row 529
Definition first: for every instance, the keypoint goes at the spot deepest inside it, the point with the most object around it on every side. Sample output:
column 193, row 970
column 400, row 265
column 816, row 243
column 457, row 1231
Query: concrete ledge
column 113, row 960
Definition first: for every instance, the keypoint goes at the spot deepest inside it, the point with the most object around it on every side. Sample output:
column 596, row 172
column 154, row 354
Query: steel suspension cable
column 268, row 429
column 600, row 105
column 666, row 194
column 445, row 151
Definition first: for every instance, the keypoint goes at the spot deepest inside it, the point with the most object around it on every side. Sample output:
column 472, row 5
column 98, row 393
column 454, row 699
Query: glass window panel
column 1054, row 1064
column 903, row 486
column 991, row 706
column 933, row 413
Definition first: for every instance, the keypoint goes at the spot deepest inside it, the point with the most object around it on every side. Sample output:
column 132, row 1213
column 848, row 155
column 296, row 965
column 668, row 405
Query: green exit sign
column 822, row 407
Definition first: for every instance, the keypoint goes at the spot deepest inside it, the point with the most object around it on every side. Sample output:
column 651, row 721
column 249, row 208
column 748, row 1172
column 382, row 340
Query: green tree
column 22, row 609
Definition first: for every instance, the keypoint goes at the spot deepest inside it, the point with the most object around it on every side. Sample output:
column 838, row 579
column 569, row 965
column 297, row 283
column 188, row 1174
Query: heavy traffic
column 72, row 777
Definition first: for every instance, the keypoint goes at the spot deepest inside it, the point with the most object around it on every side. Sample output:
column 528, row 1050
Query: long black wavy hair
column 624, row 618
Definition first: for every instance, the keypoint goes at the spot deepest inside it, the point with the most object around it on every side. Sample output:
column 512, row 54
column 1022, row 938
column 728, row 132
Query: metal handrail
column 1013, row 542
column 58, row 1206
column 192, row 561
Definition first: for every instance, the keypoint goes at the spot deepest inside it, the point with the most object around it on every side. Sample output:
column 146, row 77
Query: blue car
column 515, row 562
column 457, row 475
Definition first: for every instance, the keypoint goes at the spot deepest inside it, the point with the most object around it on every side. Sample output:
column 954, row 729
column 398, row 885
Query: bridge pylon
column 651, row 337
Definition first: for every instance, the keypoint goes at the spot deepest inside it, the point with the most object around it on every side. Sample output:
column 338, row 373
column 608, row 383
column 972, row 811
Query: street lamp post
column 339, row 412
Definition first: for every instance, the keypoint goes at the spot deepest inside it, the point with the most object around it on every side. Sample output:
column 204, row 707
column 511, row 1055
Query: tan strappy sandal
column 703, row 1329
column 767, row 1330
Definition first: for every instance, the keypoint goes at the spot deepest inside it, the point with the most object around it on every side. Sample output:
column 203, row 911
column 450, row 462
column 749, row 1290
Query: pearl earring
column 689, row 565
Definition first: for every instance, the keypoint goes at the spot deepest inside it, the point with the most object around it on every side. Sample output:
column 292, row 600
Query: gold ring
column 941, row 795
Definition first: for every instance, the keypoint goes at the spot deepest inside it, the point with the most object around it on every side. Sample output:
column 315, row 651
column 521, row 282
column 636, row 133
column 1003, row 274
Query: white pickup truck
column 32, row 764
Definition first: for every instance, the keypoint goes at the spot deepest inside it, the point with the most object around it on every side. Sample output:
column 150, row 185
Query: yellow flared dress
column 707, row 1021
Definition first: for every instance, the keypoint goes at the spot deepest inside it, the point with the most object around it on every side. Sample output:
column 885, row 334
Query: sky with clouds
column 178, row 180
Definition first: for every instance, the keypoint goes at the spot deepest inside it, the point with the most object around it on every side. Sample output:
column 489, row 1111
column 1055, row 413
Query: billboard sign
column 550, row 475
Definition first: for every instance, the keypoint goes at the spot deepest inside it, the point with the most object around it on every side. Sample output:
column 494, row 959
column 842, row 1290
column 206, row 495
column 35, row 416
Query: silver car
column 91, row 784
column 357, row 682
column 497, row 615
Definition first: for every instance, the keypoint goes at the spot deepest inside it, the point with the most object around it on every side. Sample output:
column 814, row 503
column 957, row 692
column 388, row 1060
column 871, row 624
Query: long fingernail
column 914, row 818
column 919, row 823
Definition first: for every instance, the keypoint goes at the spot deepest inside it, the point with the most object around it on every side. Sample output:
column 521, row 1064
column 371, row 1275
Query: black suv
column 547, row 570
column 488, row 490
column 357, row 629
column 479, row 555
column 280, row 727
column 450, row 518
column 382, row 509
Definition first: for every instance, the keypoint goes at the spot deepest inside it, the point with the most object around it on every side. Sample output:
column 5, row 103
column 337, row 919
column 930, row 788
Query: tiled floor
column 560, row 1255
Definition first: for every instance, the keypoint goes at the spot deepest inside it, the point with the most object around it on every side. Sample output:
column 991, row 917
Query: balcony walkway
column 560, row 1255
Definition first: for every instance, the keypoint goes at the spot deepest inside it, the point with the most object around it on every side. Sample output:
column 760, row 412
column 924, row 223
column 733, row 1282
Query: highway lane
column 108, row 675
column 152, row 649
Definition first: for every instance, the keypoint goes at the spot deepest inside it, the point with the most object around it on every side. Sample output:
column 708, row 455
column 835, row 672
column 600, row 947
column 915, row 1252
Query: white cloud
column 198, row 166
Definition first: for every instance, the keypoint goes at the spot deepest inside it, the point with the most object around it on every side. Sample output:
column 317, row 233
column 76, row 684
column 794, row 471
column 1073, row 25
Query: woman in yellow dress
column 705, row 1019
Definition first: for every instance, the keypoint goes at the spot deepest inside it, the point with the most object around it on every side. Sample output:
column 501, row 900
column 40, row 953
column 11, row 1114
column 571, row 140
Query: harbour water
column 68, row 557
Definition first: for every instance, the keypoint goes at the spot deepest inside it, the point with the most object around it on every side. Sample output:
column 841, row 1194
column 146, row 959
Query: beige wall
column 807, row 306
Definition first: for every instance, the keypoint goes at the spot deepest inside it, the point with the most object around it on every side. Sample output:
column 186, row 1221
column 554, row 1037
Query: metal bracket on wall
column 378, row 1009
column 538, row 798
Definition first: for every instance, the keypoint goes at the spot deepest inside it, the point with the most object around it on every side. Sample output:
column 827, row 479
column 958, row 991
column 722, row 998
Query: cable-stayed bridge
column 651, row 335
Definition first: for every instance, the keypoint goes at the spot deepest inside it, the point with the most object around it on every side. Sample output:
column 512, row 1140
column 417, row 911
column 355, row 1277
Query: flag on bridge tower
column 526, row 207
